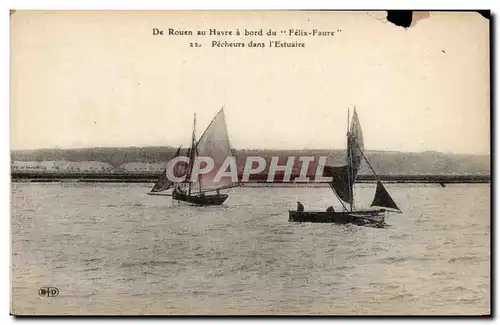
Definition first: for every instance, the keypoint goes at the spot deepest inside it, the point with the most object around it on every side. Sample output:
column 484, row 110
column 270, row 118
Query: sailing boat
column 213, row 143
column 342, row 185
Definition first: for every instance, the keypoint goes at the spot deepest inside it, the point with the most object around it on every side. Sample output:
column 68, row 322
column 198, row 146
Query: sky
column 101, row 79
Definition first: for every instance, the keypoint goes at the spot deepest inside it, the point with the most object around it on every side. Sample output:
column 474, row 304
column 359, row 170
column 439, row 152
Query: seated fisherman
column 300, row 207
column 330, row 209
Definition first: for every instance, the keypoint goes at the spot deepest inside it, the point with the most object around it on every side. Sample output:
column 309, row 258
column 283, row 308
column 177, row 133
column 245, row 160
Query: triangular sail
column 163, row 182
column 214, row 143
column 383, row 199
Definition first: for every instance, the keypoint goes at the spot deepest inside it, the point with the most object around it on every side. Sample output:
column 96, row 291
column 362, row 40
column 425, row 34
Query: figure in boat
column 179, row 190
column 213, row 143
column 342, row 185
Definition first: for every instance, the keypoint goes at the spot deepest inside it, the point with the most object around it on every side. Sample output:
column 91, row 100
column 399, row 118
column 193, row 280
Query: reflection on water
column 111, row 249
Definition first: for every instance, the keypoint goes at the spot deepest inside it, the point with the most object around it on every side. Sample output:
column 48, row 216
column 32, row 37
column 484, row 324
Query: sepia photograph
column 250, row 162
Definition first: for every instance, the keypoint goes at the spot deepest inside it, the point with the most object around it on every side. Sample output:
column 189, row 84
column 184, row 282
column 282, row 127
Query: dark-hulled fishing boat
column 213, row 143
column 342, row 185
column 199, row 199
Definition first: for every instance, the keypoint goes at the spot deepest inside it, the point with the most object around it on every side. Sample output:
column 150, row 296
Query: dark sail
column 190, row 155
column 383, row 199
column 355, row 144
column 163, row 182
column 340, row 183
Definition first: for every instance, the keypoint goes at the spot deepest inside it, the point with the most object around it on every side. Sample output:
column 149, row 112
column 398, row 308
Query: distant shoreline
column 141, row 162
column 152, row 178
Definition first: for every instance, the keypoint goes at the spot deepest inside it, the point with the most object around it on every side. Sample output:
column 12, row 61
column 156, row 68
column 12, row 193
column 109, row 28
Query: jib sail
column 383, row 199
column 163, row 182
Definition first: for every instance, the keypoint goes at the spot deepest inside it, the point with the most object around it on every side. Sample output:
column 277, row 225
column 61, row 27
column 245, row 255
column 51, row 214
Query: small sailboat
column 342, row 185
column 213, row 143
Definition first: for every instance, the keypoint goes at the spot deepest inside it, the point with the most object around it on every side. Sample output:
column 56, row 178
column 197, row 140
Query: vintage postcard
column 250, row 163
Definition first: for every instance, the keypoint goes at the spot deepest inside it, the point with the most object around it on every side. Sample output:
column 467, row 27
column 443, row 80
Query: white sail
column 214, row 143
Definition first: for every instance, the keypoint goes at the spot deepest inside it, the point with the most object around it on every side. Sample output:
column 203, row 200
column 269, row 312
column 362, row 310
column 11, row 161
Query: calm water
column 111, row 249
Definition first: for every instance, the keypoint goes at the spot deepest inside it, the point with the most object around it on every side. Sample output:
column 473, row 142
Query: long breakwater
column 257, row 179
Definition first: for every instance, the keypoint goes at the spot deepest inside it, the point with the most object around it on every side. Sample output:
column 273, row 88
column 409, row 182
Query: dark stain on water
column 147, row 263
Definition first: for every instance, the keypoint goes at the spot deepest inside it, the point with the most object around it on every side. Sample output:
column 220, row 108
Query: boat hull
column 205, row 200
column 366, row 217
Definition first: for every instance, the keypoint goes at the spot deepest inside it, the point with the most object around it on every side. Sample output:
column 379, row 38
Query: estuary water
column 111, row 249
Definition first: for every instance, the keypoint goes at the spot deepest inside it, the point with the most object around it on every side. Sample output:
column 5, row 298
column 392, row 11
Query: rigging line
column 351, row 176
column 199, row 176
column 373, row 170
column 192, row 153
column 215, row 189
column 338, row 197
column 366, row 159
column 267, row 216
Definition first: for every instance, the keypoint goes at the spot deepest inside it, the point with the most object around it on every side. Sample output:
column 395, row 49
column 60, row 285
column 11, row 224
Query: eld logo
column 48, row 292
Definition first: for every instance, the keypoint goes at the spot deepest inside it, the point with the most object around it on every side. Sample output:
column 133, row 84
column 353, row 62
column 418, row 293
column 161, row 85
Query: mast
column 349, row 162
column 197, row 176
column 369, row 165
column 192, row 153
